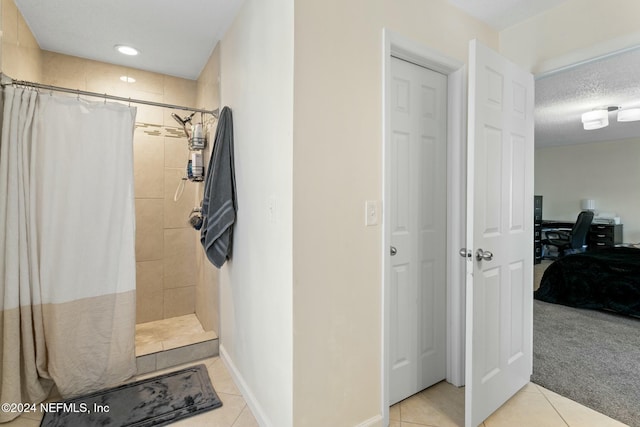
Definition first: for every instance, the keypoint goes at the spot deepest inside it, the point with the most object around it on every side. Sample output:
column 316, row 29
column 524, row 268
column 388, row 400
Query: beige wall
column 20, row 55
column 574, row 31
column 607, row 172
column 255, row 285
column 337, row 166
column 207, row 289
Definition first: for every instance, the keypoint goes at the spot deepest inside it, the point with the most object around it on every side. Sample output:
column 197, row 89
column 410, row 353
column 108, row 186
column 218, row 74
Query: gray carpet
column 155, row 401
column 589, row 356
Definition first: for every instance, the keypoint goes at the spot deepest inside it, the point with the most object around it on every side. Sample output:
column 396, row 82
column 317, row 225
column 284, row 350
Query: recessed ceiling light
column 127, row 79
column 126, row 50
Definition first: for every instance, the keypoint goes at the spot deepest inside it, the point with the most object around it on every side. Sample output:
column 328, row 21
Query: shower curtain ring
column 78, row 92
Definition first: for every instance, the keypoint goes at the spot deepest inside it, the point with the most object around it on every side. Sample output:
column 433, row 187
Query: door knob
column 483, row 255
column 464, row 253
column 393, row 251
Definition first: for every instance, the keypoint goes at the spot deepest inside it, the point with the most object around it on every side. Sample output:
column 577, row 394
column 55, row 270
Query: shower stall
column 169, row 261
column 176, row 287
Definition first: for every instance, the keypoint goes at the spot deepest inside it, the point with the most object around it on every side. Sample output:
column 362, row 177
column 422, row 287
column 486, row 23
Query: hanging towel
column 220, row 204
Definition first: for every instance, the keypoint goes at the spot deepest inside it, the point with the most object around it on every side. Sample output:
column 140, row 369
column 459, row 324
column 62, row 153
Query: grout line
column 552, row 405
column 239, row 414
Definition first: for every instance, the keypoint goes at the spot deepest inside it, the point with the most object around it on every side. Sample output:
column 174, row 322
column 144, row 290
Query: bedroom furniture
column 607, row 279
column 537, row 229
column 604, row 236
column 600, row 235
column 575, row 240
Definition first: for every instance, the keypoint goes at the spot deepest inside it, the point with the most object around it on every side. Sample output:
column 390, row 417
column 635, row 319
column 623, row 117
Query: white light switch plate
column 371, row 213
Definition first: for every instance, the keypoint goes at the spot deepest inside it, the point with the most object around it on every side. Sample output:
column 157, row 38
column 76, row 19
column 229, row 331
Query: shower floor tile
column 167, row 334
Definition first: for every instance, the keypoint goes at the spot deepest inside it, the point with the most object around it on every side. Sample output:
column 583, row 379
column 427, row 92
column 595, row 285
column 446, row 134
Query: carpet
column 589, row 356
column 155, row 401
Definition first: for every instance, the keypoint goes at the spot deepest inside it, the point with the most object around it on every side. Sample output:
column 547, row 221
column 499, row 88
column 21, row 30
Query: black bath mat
column 155, row 401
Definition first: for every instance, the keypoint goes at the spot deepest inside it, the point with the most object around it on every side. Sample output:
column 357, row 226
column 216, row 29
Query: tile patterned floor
column 233, row 413
column 443, row 406
column 439, row 406
column 167, row 334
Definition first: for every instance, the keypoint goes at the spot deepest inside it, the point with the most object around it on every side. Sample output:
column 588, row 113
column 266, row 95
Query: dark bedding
column 604, row 279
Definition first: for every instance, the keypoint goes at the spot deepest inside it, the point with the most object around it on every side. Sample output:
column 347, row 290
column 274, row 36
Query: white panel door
column 500, row 223
column 417, row 227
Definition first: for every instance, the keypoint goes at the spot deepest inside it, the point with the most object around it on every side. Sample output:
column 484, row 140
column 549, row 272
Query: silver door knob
column 483, row 255
column 393, row 251
column 464, row 253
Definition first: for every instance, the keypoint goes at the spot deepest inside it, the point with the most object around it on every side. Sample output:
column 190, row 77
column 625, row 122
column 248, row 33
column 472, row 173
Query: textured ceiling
column 562, row 97
column 174, row 37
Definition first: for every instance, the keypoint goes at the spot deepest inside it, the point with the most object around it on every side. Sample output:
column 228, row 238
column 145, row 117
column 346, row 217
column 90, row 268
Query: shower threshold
column 171, row 342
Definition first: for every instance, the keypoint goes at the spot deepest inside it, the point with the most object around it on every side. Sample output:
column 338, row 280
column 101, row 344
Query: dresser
column 604, row 236
column 537, row 229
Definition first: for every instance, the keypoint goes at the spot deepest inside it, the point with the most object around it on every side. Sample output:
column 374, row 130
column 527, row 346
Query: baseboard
column 372, row 422
column 253, row 403
column 251, row 400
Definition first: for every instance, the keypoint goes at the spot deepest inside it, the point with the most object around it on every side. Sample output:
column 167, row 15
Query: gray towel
column 220, row 204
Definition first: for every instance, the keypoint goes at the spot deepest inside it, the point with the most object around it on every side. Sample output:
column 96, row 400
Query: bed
column 605, row 279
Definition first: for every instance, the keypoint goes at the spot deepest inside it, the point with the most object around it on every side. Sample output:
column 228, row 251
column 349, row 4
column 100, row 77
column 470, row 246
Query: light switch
column 371, row 213
column 272, row 209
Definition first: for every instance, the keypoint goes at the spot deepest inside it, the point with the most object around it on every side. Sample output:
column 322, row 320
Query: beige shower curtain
column 67, row 260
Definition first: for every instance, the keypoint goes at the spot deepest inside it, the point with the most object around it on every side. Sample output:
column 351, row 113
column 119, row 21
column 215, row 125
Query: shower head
column 184, row 121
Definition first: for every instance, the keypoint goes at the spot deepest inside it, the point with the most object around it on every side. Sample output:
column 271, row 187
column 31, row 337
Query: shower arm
column 183, row 122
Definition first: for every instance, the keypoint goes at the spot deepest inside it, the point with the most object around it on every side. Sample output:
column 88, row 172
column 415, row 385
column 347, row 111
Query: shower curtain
column 67, row 254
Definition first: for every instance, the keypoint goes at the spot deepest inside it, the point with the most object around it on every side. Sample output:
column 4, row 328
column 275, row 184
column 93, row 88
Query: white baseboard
column 251, row 400
column 372, row 422
column 254, row 405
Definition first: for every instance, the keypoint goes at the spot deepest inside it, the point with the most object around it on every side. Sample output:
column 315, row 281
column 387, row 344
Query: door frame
column 456, row 72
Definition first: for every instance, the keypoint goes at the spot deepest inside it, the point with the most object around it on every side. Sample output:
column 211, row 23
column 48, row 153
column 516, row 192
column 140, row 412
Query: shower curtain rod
column 7, row 81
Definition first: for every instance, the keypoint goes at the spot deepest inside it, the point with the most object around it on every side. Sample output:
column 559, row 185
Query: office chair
column 574, row 241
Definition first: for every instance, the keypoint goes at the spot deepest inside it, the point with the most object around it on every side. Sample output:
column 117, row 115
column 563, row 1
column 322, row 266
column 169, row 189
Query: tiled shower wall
column 21, row 55
column 169, row 261
column 208, row 97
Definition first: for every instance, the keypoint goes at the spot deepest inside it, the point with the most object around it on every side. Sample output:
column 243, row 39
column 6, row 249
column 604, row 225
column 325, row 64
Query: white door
column 417, row 227
column 499, row 222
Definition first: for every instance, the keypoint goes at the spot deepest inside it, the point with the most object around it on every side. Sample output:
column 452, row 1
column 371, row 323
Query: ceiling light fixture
column 595, row 119
column 127, row 79
column 599, row 118
column 629, row 115
column 126, row 50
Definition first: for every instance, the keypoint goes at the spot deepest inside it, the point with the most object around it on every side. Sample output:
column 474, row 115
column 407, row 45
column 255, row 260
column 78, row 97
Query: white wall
column 256, row 285
column 607, row 172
